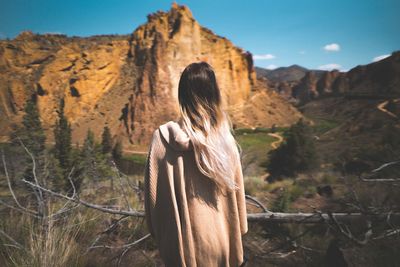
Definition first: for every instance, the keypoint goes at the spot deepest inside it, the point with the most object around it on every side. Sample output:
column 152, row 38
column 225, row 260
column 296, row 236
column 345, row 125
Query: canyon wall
column 129, row 82
column 377, row 80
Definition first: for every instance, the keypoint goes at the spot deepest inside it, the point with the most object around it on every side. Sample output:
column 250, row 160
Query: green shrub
column 282, row 203
column 252, row 185
column 297, row 154
column 296, row 192
column 328, row 179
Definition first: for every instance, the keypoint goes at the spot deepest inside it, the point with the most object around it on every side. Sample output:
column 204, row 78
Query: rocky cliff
column 306, row 89
column 376, row 80
column 324, row 84
column 129, row 82
column 380, row 78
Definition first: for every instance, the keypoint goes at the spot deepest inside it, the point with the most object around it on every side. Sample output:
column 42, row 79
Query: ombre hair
column 207, row 125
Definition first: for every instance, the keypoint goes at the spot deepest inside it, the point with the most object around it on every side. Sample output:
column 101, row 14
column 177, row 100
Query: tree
column 297, row 154
column 106, row 142
column 93, row 164
column 62, row 137
column 32, row 136
column 31, row 133
column 117, row 151
column 87, row 156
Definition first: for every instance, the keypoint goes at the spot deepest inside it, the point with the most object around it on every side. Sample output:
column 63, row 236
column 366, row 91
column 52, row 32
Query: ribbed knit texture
column 192, row 224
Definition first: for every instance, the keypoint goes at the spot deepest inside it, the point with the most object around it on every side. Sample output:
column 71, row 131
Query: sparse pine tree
column 31, row 133
column 117, row 151
column 62, row 137
column 106, row 142
column 87, row 156
column 94, row 165
column 32, row 136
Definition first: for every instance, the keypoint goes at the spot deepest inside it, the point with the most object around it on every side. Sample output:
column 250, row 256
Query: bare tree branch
column 107, row 230
column 15, row 243
column 120, row 173
column 347, row 233
column 64, row 208
column 277, row 217
column 383, row 166
column 313, row 218
column 38, row 194
column 122, row 186
column 377, row 170
column 11, row 189
column 258, row 203
column 388, row 233
column 123, row 246
column 87, row 204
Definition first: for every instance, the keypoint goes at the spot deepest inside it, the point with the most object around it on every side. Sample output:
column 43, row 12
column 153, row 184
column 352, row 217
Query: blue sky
column 315, row 34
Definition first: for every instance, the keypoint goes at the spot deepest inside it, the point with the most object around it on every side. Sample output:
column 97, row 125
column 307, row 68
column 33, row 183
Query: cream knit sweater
column 192, row 225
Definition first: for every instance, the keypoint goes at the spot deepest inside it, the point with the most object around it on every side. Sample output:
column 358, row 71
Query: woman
column 194, row 195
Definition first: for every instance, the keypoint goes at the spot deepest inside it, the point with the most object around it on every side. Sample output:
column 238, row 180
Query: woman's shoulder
column 174, row 135
column 163, row 130
column 170, row 123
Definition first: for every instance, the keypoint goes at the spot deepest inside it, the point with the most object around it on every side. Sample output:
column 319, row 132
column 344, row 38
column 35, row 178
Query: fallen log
column 318, row 217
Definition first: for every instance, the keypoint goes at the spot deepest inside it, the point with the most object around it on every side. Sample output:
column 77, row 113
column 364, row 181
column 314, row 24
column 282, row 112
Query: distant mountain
column 286, row 74
column 261, row 72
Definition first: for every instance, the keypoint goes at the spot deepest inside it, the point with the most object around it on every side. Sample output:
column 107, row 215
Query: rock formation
column 306, row 90
column 324, row 84
column 375, row 80
column 378, row 78
column 129, row 82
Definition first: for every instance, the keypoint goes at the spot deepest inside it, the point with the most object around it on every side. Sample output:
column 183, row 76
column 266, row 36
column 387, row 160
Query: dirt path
column 276, row 143
column 134, row 152
column 382, row 105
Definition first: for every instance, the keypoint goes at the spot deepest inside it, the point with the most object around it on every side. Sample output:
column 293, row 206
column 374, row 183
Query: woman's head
column 200, row 97
column 207, row 125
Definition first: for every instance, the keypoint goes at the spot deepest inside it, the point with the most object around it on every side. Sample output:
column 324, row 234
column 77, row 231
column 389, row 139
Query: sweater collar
column 175, row 136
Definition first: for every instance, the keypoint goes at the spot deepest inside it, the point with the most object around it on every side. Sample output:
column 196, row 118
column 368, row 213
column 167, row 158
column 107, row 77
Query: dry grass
column 46, row 242
column 64, row 241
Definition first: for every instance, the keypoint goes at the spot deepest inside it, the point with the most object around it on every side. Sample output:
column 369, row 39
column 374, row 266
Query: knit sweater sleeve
column 240, row 196
column 150, row 183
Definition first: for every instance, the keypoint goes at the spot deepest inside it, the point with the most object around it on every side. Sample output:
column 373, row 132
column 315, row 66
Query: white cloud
column 331, row 66
column 271, row 67
column 378, row 58
column 53, row 33
column 264, row 57
column 302, row 52
column 332, row 47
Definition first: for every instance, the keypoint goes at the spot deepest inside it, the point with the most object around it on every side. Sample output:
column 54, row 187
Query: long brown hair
column 207, row 125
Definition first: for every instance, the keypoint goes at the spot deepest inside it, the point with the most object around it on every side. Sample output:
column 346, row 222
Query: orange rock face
column 128, row 82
